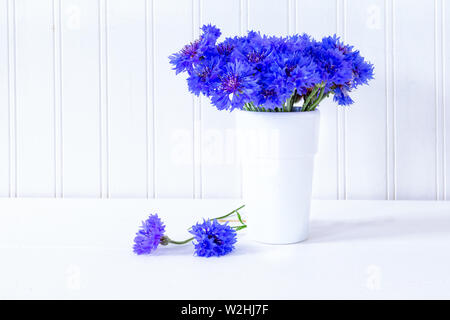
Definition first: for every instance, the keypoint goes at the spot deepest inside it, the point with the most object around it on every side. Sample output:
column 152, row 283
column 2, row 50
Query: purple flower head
column 270, row 98
column 225, row 49
column 341, row 96
column 237, row 85
column 331, row 64
column 205, row 77
column 362, row 71
column 213, row 239
column 149, row 236
column 301, row 71
column 210, row 34
column 193, row 53
column 187, row 57
column 299, row 42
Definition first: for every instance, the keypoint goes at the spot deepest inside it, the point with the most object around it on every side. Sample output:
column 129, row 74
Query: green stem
column 180, row 242
column 292, row 100
column 319, row 99
column 229, row 214
column 324, row 96
column 255, row 108
column 287, row 107
column 309, row 97
column 243, row 226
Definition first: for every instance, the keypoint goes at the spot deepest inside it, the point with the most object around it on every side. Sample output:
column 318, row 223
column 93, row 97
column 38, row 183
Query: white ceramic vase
column 277, row 151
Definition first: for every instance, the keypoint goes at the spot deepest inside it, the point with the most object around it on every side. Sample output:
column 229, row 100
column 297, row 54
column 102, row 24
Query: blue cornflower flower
column 193, row 53
column 301, row 71
column 299, row 42
column 237, row 85
column 187, row 57
column 225, row 48
column 210, row 34
column 341, row 96
column 205, row 77
column 253, row 49
column 150, row 236
column 331, row 65
column 213, row 239
column 362, row 71
column 270, row 98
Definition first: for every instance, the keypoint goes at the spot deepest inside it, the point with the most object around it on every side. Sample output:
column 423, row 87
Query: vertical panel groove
column 153, row 102
column 345, row 118
column 244, row 23
column 103, row 99
column 394, row 101
column 150, row 100
column 341, row 113
column 292, row 16
column 197, row 114
column 389, row 102
column 439, row 99
column 57, row 98
column 444, row 122
column 12, row 95
column 244, row 16
column 147, row 83
column 386, row 92
column 436, row 101
column 288, row 16
column 200, row 120
column 194, row 105
column 338, row 122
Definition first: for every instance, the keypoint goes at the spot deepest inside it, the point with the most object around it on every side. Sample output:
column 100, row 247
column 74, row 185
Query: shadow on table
column 174, row 250
column 242, row 247
column 335, row 230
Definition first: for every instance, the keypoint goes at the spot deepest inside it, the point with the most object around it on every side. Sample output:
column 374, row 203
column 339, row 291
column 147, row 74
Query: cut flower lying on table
column 210, row 238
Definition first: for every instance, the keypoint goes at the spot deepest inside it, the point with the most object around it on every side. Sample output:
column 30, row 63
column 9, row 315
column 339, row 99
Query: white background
column 89, row 106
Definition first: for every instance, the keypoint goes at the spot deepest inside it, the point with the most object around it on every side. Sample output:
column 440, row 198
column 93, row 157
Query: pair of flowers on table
column 210, row 238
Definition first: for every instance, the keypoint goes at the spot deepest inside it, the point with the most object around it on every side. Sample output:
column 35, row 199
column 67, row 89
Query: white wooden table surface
column 81, row 249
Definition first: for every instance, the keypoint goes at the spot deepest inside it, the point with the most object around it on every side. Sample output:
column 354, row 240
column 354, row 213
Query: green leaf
column 240, row 218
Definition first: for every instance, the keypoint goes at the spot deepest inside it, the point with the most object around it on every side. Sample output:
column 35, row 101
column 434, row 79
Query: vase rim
column 281, row 114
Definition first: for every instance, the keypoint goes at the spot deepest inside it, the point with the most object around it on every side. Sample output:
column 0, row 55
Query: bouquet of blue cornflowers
column 260, row 73
column 210, row 238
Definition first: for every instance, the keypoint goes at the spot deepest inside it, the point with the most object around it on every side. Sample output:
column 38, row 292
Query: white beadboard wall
column 89, row 105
